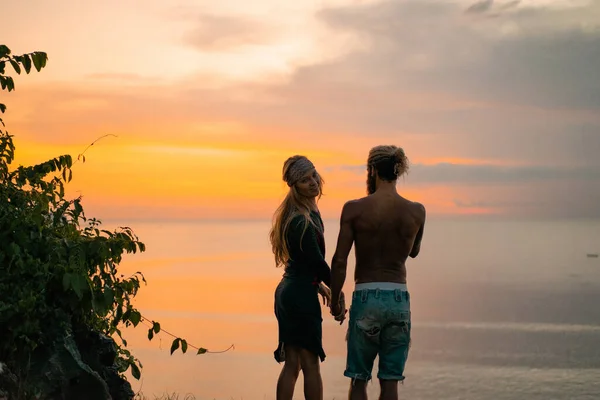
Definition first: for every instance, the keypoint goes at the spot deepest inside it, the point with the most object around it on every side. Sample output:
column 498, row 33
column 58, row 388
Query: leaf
column 126, row 315
column 66, row 281
column 2, row 108
column 135, row 372
column 109, row 297
column 156, row 327
column 4, row 51
column 42, row 58
column 135, row 317
column 78, row 283
column 15, row 66
column 175, row 345
column 201, row 350
column 184, row 346
column 118, row 316
column 38, row 60
column 2, row 67
column 26, row 61
column 6, row 82
column 150, row 334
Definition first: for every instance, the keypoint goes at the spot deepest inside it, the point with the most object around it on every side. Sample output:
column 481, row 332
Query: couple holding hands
column 385, row 229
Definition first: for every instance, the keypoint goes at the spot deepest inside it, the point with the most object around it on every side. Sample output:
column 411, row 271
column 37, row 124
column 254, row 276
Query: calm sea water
column 501, row 310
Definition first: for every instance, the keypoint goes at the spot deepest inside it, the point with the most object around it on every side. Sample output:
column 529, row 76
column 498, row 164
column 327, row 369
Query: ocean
column 502, row 309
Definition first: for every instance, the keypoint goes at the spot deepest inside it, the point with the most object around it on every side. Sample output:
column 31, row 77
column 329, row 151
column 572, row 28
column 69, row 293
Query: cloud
column 530, row 191
column 542, row 57
column 480, row 6
column 484, row 7
column 448, row 173
column 510, row 4
column 222, row 33
column 492, row 174
column 491, row 204
column 517, row 89
column 122, row 77
column 558, row 199
column 424, row 74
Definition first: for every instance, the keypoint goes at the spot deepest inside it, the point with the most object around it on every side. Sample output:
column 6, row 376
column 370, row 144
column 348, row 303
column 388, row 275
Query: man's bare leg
column 311, row 370
column 289, row 374
column 358, row 390
column 389, row 390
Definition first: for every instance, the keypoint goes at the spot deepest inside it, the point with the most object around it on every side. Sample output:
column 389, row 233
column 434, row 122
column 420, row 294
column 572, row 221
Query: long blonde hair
column 293, row 204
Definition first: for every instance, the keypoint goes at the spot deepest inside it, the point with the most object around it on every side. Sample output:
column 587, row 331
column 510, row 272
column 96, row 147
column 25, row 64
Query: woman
column 299, row 246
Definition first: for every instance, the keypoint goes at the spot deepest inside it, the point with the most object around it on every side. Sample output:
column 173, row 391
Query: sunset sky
column 496, row 103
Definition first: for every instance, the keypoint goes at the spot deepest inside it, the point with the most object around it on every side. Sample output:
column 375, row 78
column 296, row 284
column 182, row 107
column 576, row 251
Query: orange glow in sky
column 206, row 107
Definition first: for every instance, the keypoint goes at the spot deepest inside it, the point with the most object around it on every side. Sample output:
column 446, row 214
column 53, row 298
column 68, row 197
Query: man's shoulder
column 418, row 208
column 355, row 203
column 413, row 208
column 352, row 208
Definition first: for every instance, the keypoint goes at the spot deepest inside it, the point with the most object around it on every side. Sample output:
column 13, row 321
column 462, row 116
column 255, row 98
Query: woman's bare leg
column 311, row 370
column 289, row 373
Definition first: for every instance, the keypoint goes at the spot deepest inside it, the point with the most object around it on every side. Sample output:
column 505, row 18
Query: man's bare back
column 387, row 230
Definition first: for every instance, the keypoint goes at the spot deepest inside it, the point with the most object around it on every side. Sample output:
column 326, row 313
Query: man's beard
column 371, row 184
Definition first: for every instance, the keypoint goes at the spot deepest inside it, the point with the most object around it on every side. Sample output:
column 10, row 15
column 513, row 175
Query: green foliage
column 58, row 268
column 18, row 63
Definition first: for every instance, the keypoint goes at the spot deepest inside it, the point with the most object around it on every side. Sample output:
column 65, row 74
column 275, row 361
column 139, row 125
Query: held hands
column 339, row 310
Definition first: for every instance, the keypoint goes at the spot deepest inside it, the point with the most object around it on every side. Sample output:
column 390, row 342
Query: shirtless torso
column 387, row 230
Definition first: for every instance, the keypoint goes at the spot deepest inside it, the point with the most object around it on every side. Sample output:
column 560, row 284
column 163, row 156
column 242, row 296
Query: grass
column 166, row 396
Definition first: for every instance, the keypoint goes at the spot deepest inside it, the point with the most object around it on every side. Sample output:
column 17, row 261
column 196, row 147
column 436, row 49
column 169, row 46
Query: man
column 385, row 229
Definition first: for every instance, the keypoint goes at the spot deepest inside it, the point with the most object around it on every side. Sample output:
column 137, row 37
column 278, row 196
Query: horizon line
column 464, row 217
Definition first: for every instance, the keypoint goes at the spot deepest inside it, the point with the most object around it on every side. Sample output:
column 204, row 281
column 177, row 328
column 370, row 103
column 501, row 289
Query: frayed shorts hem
column 399, row 378
column 361, row 377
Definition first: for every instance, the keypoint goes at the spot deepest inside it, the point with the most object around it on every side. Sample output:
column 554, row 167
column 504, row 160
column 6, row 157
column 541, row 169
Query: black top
column 307, row 249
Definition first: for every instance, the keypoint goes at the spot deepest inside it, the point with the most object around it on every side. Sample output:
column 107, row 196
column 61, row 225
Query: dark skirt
column 299, row 318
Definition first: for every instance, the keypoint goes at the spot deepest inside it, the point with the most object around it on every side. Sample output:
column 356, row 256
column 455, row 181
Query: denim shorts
column 379, row 326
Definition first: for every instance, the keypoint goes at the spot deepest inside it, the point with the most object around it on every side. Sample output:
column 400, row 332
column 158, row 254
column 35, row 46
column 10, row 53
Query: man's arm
column 417, row 243
column 339, row 263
